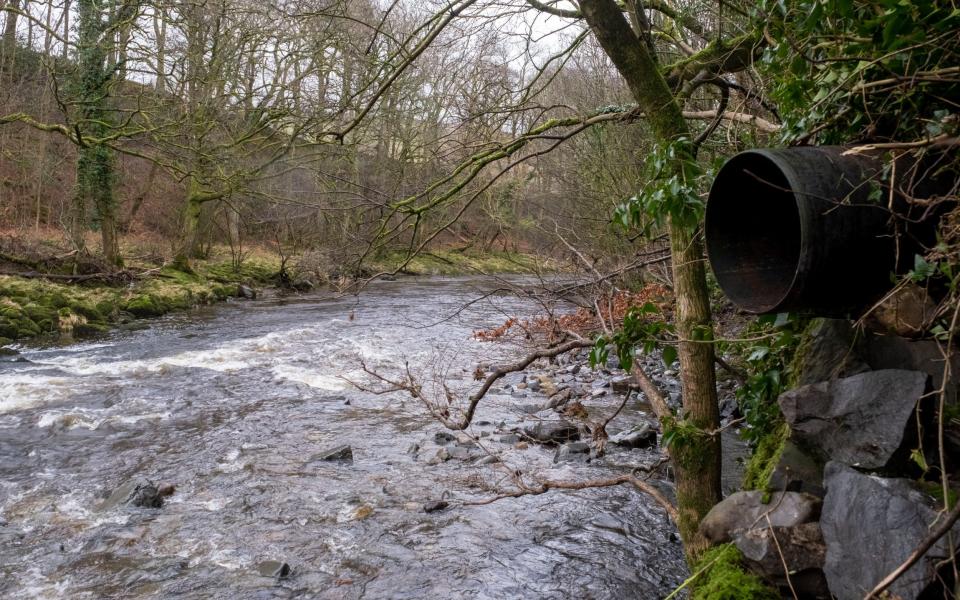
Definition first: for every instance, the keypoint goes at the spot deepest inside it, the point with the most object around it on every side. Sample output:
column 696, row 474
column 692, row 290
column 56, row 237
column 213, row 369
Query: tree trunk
column 8, row 45
column 697, row 457
column 189, row 225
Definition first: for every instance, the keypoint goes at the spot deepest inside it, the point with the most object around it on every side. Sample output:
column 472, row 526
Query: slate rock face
column 870, row 526
column 829, row 350
column 746, row 510
column 860, row 420
column 797, row 471
column 766, row 549
column 894, row 352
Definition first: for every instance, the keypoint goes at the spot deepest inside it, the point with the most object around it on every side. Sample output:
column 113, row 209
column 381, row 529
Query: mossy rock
column 222, row 292
column 720, row 575
column 107, row 308
column 39, row 313
column 145, row 305
column 86, row 310
column 765, row 457
column 8, row 329
column 90, row 329
column 5, row 341
column 28, row 328
column 56, row 300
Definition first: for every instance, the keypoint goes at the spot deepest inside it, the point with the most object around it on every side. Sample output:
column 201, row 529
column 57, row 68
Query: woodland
column 330, row 142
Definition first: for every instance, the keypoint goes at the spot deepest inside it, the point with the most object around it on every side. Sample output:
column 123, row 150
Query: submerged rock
column 274, row 568
column 642, row 436
column 747, row 510
column 572, row 451
column 870, row 526
column 247, row 292
column 860, row 420
column 344, row 453
column 551, row 432
column 435, row 505
column 138, row 492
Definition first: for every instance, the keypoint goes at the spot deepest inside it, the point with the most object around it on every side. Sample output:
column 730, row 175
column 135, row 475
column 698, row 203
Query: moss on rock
column 765, row 458
column 720, row 576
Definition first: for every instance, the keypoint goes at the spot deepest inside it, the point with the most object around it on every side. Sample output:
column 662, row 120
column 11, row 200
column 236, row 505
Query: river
column 233, row 404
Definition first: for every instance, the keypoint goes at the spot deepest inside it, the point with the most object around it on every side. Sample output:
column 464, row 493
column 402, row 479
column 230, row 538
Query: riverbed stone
column 340, row 453
column 871, row 525
column 435, row 506
column 766, row 549
column 860, row 420
column 641, row 436
column 245, row 291
column 747, row 510
column 274, row 568
column 558, row 399
column 572, row 451
column 551, row 432
column 139, row 492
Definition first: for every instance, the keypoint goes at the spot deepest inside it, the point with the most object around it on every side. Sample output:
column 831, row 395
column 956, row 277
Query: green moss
column 39, row 313
column 765, row 458
column 8, row 329
column 719, row 575
column 4, row 341
column 90, row 329
column 144, row 305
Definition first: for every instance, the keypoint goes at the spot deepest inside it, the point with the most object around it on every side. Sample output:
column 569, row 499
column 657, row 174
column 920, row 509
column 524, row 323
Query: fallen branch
column 443, row 415
column 545, row 486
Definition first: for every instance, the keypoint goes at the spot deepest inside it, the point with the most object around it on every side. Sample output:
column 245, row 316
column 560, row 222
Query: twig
column 546, row 486
column 917, row 554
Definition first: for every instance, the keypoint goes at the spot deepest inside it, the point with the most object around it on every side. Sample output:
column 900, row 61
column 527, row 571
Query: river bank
column 60, row 308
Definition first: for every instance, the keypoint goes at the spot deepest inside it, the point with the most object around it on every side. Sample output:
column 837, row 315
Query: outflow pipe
column 805, row 229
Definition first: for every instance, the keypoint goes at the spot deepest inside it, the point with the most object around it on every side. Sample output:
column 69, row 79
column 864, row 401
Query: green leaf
column 669, row 355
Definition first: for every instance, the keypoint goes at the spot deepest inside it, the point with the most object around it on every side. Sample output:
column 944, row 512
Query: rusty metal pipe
column 799, row 229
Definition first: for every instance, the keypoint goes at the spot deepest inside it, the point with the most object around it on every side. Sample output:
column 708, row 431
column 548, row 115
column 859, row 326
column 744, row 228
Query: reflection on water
column 233, row 404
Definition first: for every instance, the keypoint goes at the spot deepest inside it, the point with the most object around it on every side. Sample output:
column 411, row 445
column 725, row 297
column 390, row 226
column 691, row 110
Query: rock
column 800, row 547
column 860, row 420
column 598, row 392
column 572, row 451
column 435, row 505
column 746, row 510
column 870, row 526
column 557, row 400
column 551, row 432
column 489, row 459
column 274, row 568
column 464, row 439
column 797, row 471
column 443, row 437
column 894, row 352
column 621, row 385
column 510, row 438
column 829, row 349
column 247, row 292
column 302, row 285
column 908, row 311
column 575, row 369
column 442, row 455
column 335, row 454
column 137, row 492
column 533, row 385
column 642, row 436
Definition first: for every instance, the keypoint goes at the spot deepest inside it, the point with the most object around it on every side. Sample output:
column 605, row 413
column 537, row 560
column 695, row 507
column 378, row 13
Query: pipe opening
column 753, row 232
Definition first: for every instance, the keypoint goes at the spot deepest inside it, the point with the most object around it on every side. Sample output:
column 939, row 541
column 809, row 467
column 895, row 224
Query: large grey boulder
column 871, row 525
column 830, row 349
column 894, row 352
column 747, row 510
column 860, row 420
column 766, row 549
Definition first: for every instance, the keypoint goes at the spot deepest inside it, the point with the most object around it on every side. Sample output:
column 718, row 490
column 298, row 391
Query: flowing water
column 233, row 404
